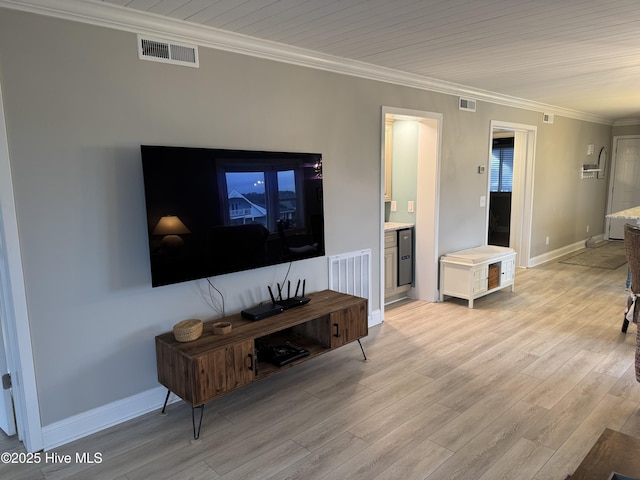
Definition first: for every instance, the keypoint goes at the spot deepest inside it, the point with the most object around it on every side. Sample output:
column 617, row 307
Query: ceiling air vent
column 158, row 50
column 467, row 104
column 547, row 118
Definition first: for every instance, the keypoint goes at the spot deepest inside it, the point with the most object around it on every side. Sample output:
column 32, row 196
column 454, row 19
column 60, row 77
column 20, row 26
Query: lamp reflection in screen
column 171, row 227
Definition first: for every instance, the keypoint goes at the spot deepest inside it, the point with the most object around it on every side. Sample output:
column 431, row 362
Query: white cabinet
column 392, row 291
column 390, row 271
column 475, row 272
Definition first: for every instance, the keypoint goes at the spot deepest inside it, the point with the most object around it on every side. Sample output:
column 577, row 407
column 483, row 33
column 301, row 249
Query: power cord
column 213, row 302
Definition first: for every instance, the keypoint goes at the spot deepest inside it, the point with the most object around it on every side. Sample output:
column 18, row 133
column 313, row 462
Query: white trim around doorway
column 17, row 330
column 427, row 201
column 522, row 200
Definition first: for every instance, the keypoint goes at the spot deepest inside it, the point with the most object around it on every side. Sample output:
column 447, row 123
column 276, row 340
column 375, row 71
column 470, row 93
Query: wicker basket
column 222, row 328
column 187, row 330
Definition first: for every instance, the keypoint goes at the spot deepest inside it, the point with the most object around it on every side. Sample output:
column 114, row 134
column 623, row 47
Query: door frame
column 427, row 201
column 18, row 333
column 7, row 415
column 522, row 195
column 612, row 177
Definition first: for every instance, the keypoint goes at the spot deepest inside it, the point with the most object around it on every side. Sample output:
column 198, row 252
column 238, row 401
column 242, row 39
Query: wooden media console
column 213, row 365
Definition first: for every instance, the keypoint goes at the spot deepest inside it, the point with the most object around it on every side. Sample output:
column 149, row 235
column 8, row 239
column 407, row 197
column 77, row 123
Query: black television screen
column 213, row 211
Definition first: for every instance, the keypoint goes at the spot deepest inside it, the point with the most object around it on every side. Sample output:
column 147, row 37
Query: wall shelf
column 589, row 172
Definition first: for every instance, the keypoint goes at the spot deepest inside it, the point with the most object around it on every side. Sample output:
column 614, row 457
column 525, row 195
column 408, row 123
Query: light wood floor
column 519, row 388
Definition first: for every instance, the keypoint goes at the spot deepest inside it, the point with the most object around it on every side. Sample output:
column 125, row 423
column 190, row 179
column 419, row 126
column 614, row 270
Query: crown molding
column 626, row 121
column 114, row 16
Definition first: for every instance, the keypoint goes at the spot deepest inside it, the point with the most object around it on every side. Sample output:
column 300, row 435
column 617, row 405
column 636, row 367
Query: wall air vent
column 158, row 50
column 547, row 118
column 466, row 104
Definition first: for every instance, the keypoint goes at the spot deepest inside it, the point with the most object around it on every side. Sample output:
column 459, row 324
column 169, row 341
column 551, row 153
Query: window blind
column 501, row 169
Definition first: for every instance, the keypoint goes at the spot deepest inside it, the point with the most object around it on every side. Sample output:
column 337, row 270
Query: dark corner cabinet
column 213, row 365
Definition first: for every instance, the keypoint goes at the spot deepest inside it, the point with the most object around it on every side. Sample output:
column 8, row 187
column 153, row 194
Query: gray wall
column 78, row 104
column 565, row 204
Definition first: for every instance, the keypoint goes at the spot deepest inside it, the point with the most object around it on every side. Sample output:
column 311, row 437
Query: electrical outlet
column 394, row 206
column 587, row 228
column 483, row 201
column 547, row 241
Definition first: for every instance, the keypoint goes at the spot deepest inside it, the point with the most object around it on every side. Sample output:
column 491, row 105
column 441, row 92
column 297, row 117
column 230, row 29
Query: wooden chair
column 632, row 249
column 632, row 313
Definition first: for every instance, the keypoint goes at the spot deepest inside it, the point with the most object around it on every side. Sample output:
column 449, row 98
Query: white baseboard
column 92, row 421
column 376, row 318
column 555, row 254
column 596, row 241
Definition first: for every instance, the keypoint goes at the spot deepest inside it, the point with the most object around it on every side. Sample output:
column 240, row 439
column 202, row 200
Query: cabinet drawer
column 390, row 239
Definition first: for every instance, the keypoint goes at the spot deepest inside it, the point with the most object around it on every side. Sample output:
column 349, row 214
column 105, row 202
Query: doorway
column 624, row 183
column 15, row 317
column 7, row 417
column 520, row 199
column 500, row 188
column 426, row 145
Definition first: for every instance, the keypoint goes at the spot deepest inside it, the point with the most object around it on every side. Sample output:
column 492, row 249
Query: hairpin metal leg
column 164, row 407
column 196, row 433
column 361, row 348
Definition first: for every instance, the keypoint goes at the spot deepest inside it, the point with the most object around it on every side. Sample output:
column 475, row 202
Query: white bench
column 475, row 272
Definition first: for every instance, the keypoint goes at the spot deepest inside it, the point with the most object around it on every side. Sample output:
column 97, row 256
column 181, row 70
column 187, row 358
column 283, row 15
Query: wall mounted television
column 214, row 211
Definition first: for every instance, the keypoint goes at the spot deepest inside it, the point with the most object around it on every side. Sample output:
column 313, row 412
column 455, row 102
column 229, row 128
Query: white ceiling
column 580, row 55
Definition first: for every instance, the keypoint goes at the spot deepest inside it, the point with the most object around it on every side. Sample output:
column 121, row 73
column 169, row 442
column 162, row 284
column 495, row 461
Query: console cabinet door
column 348, row 325
column 508, row 271
column 390, row 271
column 223, row 370
column 480, row 277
